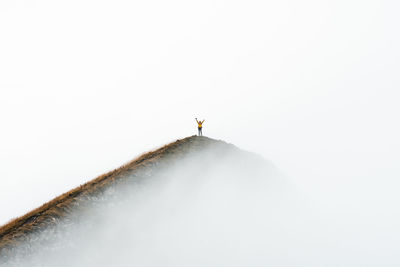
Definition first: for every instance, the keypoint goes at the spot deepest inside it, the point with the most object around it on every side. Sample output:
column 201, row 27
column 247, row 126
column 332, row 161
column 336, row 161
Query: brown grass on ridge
column 16, row 230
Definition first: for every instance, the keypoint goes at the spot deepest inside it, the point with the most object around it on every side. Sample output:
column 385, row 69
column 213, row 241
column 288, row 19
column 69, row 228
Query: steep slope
column 187, row 200
column 19, row 229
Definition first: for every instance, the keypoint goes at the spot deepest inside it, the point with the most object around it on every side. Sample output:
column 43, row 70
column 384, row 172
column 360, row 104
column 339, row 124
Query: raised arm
column 203, row 121
column 196, row 120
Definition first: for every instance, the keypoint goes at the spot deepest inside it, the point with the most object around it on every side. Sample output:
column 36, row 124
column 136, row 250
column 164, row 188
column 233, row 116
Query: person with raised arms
column 200, row 126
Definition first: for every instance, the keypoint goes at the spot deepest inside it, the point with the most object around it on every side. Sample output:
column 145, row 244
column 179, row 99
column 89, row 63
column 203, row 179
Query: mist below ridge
column 214, row 207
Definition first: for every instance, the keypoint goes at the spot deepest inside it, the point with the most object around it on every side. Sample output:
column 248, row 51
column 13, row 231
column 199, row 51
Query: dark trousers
column 200, row 132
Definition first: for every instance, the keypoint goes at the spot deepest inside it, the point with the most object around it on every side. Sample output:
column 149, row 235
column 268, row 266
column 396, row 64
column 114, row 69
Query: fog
column 209, row 209
column 312, row 86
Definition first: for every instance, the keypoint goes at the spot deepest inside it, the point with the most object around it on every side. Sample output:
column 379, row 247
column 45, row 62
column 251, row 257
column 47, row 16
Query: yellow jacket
column 200, row 123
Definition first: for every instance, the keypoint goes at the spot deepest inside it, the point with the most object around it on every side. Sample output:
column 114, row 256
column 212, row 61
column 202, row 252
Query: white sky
column 313, row 86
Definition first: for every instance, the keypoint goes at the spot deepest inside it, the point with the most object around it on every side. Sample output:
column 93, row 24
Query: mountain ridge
column 17, row 230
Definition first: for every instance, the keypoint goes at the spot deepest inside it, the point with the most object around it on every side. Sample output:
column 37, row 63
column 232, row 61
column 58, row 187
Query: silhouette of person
column 200, row 126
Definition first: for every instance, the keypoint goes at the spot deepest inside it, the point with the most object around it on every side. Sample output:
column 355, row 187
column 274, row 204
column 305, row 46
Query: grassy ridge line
column 14, row 231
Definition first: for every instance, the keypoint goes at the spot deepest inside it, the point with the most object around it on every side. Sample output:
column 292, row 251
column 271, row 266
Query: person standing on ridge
column 200, row 126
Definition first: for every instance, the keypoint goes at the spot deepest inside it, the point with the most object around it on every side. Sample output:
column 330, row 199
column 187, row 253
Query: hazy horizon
column 311, row 86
